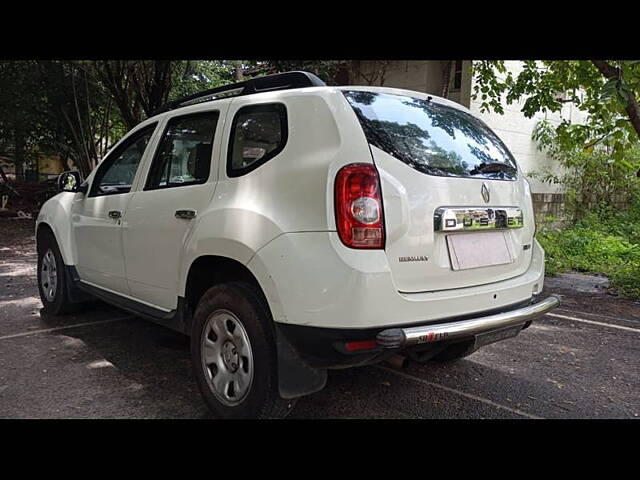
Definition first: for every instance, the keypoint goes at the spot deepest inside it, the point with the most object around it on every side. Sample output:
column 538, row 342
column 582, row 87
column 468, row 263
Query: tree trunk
column 18, row 158
column 632, row 108
column 238, row 71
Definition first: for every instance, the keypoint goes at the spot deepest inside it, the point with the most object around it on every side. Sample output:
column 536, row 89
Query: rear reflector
column 362, row 345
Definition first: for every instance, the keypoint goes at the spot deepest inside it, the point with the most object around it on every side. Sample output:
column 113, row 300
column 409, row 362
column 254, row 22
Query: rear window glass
column 430, row 137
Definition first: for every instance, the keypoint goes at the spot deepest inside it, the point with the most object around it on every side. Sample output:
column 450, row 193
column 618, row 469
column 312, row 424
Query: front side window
column 430, row 137
column 117, row 172
column 258, row 133
column 184, row 154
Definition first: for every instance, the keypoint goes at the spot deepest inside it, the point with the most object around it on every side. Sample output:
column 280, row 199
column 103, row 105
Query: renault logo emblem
column 485, row 192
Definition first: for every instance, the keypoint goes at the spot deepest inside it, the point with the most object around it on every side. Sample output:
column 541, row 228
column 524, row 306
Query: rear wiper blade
column 493, row 167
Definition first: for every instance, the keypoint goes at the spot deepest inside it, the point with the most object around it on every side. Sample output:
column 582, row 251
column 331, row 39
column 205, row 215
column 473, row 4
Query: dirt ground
column 580, row 361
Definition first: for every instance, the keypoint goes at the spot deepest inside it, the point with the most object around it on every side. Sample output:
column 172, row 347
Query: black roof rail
column 277, row 81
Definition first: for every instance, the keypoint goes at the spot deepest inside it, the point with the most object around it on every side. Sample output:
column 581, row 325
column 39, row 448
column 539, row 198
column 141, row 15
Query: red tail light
column 358, row 202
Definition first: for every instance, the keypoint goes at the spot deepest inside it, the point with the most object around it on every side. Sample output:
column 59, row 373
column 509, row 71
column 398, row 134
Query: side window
column 258, row 133
column 118, row 170
column 184, row 154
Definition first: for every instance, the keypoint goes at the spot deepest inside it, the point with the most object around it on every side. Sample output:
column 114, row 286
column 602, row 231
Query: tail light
column 358, row 203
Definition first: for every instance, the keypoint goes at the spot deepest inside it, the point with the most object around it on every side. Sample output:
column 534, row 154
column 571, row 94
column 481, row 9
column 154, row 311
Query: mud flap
column 295, row 377
column 75, row 294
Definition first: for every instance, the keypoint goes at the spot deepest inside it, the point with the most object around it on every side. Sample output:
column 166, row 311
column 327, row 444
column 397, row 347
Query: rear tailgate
column 457, row 212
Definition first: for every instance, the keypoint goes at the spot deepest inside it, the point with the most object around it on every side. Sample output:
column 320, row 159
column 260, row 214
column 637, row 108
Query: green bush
column 602, row 242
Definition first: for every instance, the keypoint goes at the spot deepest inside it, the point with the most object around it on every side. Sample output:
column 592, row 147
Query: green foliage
column 79, row 109
column 190, row 77
column 491, row 82
column 546, row 85
column 604, row 242
column 591, row 177
column 327, row 70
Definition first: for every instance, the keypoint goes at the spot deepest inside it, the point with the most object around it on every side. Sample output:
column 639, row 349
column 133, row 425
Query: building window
column 457, row 75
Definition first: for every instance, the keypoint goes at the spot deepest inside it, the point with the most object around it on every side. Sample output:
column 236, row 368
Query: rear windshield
column 430, row 137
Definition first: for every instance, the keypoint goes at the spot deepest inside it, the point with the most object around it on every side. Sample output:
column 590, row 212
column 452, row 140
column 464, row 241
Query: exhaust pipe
column 398, row 361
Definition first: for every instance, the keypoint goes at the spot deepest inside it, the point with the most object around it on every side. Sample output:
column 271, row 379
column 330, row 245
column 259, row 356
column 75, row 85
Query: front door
column 161, row 217
column 97, row 218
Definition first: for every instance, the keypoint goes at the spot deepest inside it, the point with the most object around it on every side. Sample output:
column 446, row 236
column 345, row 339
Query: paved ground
column 582, row 361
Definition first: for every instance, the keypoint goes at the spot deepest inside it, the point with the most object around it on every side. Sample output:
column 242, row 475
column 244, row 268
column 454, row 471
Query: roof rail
column 277, row 81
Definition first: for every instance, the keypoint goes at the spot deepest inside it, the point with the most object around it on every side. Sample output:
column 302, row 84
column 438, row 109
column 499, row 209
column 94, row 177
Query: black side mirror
column 71, row 182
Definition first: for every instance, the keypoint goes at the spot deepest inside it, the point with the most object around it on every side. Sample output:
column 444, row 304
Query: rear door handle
column 186, row 214
column 115, row 214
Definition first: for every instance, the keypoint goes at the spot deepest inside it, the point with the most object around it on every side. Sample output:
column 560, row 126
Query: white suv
column 290, row 227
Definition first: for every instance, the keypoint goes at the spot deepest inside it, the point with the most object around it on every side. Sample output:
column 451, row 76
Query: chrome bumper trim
column 404, row 337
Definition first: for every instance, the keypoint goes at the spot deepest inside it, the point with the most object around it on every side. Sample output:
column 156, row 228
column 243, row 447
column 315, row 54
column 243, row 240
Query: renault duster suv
column 290, row 227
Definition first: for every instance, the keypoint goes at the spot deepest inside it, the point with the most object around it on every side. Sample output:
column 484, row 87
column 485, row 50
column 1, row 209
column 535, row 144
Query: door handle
column 115, row 214
column 186, row 214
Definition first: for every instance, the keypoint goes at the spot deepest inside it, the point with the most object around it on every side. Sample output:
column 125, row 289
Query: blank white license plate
column 479, row 249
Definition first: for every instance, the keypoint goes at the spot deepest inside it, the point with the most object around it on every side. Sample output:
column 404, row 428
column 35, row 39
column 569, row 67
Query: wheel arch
column 55, row 216
column 206, row 271
column 295, row 377
column 42, row 228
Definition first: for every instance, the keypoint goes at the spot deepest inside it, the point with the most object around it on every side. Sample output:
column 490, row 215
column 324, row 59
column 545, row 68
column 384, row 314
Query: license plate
column 483, row 339
column 479, row 249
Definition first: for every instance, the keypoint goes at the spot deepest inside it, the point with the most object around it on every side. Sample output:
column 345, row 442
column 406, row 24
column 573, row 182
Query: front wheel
column 234, row 353
column 51, row 278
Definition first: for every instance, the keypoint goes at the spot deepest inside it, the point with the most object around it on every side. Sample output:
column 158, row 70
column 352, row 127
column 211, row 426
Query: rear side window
column 258, row 133
column 184, row 154
column 432, row 138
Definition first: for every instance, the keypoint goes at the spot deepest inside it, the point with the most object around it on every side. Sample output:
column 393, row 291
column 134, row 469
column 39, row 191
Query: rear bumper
column 325, row 347
column 406, row 337
column 310, row 279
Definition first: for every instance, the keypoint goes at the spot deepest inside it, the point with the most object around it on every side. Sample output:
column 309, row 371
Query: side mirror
column 71, row 182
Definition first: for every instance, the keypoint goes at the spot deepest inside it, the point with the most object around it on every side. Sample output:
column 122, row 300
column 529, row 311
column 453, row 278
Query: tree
column 138, row 88
column 606, row 90
column 332, row 72
column 50, row 107
column 79, row 109
column 194, row 76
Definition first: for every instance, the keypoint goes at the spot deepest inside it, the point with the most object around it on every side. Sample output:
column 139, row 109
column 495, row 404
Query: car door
column 97, row 218
column 179, row 185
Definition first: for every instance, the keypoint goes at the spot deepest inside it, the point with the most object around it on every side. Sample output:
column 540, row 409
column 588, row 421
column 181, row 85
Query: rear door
column 457, row 211
column 163, row 214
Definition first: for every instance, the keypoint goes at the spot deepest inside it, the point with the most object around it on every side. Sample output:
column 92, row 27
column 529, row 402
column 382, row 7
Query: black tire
column 455, row 352
column 60, row 303
column 247, row 304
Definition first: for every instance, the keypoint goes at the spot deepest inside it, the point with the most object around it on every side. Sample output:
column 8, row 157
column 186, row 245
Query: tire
column 234, row 353
column 52, row 281
column 455, row 352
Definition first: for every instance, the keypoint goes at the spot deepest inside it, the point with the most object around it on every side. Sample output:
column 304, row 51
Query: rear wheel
column 51, row 278
column 234, row 353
